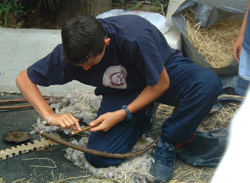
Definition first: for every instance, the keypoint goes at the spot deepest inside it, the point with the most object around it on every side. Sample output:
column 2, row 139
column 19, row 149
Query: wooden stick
column 91, row 151
column 82, row 130
column 24, row 105
column 20, row 100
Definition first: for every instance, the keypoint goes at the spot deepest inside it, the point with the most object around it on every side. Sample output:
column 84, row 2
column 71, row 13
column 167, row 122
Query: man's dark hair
column 82, row 37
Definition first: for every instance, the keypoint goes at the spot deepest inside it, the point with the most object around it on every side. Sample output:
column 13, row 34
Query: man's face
column 92, row 61
column 95, row 60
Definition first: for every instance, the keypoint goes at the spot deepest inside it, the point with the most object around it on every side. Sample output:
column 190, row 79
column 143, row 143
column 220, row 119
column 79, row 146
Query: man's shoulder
column 57, row 52
column 55, row 56
column 127, row 26
column 127, row 20
column 125, row 17
column 58, row 48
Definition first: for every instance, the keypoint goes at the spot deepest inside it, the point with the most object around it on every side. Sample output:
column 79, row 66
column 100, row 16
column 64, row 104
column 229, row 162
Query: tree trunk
column 71, row 8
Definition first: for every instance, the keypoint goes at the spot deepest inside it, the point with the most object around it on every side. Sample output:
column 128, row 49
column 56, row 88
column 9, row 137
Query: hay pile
column 223, row 117
column 213, row 42
column 220, row 119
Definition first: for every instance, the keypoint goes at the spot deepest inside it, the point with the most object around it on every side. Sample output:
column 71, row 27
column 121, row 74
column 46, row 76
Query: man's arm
column 31, row 92
column 150, row 93
column 238, row 43
column 147, row 96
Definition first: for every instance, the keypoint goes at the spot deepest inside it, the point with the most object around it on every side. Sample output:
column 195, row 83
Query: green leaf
column 137, row 5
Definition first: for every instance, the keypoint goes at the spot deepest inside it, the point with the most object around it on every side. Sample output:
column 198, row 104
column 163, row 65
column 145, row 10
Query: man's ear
column 107, row 41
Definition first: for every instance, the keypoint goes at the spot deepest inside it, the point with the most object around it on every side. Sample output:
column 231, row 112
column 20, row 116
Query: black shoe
column 164, row 157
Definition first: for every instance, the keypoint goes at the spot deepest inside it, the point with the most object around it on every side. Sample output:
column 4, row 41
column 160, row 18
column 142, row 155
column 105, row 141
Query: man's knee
column 211, row 83
column 101, row 162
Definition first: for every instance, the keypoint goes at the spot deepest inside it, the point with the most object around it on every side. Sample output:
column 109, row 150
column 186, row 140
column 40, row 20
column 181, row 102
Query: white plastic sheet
column 156, row 19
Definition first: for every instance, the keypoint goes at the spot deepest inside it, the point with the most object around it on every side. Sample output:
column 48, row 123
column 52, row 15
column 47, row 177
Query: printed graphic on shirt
column 115, row 77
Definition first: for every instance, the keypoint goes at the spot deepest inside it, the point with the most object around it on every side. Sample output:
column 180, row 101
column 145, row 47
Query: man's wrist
column 128, row 114
column 50, row 118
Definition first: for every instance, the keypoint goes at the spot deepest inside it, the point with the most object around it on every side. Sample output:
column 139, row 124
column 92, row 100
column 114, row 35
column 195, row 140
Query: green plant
column 163, row 4
column 7, row 7
column 137, row 5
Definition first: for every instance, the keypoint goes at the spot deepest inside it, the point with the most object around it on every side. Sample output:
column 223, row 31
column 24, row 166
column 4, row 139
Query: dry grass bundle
column 220, row 119
column 185, row 173
column 213, row 42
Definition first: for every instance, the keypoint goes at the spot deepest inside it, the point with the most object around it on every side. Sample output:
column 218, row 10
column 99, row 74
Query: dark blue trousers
column 193, row 90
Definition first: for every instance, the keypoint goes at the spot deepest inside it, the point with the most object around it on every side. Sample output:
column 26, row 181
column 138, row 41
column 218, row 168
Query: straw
column 213, row 42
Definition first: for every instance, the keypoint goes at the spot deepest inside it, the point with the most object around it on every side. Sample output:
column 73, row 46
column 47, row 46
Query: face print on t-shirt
column 115, row 77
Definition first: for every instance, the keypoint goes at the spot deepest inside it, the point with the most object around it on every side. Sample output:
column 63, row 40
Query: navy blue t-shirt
column 134, row 58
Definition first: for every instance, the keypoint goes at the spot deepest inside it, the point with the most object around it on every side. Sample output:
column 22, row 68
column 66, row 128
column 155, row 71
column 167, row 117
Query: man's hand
column 107, row 120
column 237, row 48
column 65, row 121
